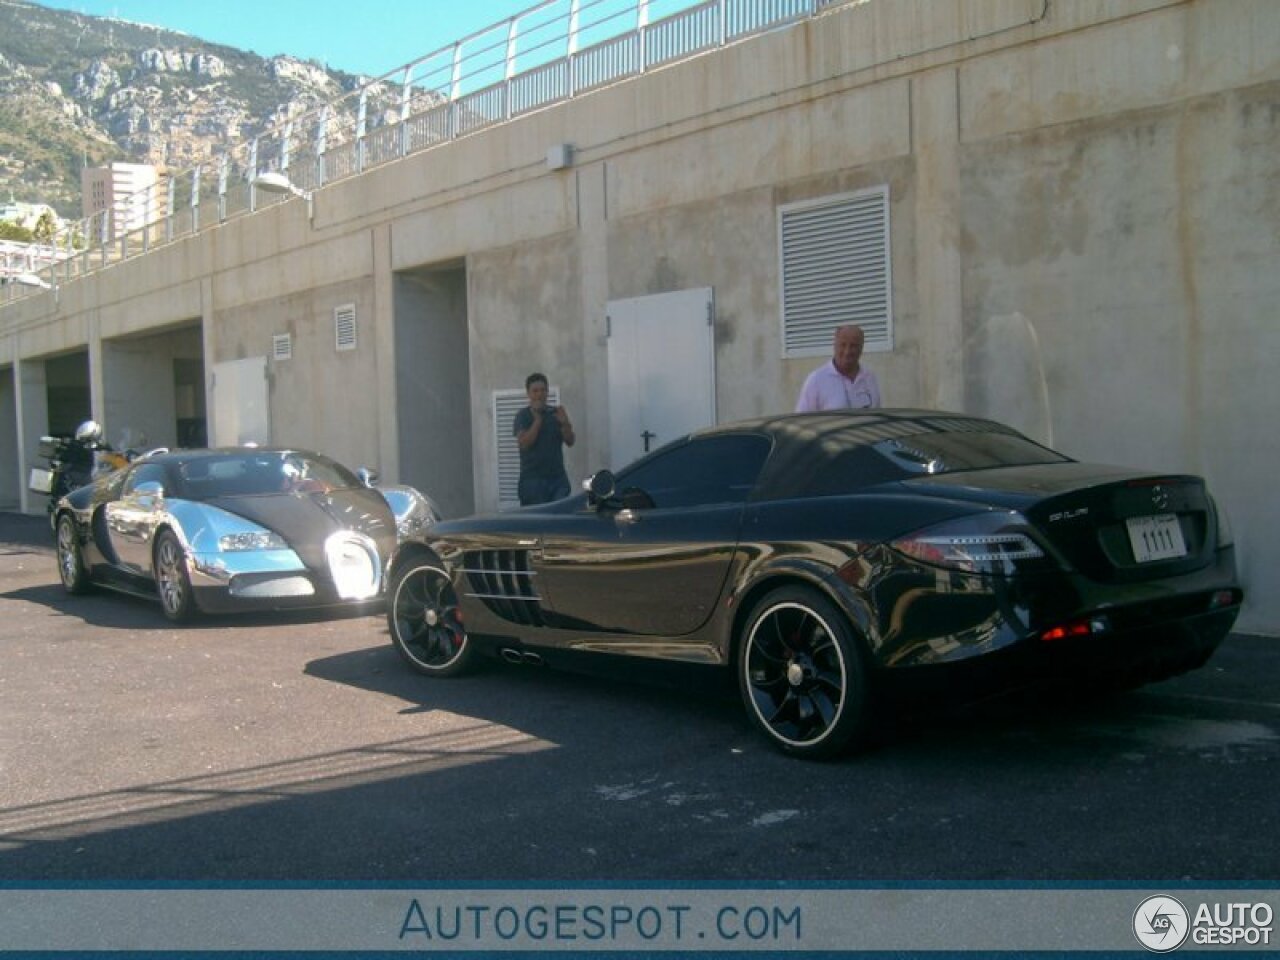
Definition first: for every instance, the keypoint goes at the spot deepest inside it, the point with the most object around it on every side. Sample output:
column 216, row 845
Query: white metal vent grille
column 282, row 346
column 506, row 403
column 344, row 326
column 835, row 269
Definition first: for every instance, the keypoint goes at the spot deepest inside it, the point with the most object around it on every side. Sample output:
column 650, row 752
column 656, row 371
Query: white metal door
column 241, row 409
column 662, row 372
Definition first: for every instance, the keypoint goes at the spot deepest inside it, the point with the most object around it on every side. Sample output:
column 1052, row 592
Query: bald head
column 847, row 351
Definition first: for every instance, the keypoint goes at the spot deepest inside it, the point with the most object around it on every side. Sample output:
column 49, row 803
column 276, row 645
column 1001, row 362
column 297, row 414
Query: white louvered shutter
column 344, row 326
column 835, row 269
column 506, row 403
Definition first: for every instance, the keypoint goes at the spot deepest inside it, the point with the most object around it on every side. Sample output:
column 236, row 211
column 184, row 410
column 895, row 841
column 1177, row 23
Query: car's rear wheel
column 803, row 675
column 173, row 584
column 426, row 621
column 71, row 568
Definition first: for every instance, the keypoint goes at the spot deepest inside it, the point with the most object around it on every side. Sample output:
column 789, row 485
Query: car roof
column 804, row 427
column 803, row 441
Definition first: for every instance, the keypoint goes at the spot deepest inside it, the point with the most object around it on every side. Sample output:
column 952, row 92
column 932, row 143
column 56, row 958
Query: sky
column 370, row 37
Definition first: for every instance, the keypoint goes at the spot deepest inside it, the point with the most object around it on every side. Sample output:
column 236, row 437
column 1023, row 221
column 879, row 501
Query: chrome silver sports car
column 236, row 529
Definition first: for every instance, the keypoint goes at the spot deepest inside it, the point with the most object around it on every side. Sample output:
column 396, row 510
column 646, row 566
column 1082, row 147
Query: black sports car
column 240, row 528
column 823, row 556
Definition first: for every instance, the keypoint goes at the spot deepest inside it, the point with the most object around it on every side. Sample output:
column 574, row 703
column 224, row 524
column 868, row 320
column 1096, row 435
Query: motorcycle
column 73, row 462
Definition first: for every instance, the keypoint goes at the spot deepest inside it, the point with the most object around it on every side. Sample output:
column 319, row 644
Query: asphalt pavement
column 298, row 748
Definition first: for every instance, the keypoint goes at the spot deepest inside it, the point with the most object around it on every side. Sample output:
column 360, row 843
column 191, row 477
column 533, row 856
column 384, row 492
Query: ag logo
column 1161, row 923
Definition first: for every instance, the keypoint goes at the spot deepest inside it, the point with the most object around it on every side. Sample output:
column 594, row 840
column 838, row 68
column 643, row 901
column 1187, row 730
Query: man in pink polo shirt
column 843, row 382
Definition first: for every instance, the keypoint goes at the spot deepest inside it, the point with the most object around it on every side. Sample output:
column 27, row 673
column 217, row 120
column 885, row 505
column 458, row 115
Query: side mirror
column 149, row 488
column 601, row 486
column 368, row 476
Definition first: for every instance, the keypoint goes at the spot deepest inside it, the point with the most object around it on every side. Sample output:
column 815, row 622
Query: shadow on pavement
column 522, row 773
column 25, row 533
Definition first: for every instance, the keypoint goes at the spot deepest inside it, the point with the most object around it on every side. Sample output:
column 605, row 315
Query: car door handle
column 627, row 516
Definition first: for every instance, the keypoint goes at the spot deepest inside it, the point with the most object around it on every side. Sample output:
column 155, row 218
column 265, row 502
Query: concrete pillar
column 31, row 395
column 209, row 344
column 591, row 415
column 12, row 479
column 97, row 378
column 384, row 332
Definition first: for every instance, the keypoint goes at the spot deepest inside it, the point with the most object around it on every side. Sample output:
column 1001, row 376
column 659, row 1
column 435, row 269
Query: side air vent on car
column 502, row 580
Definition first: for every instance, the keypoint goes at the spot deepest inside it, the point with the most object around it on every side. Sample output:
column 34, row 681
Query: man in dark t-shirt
column 542, row 433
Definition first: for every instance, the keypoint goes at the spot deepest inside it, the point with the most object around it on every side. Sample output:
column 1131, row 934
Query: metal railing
column 548, row 53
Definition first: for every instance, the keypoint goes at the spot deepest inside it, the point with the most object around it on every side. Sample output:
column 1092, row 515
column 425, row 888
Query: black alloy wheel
column 172, row 581
column 426, row 621
column 802, row 674
column 75, row 578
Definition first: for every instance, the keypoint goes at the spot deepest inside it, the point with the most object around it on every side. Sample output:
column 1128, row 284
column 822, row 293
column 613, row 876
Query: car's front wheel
column 426, row 621
column 803, row 675
column 173, row 584
column 75, row 578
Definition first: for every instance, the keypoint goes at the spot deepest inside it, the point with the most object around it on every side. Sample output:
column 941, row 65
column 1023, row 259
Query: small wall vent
column 344, row 326
column 282, row 346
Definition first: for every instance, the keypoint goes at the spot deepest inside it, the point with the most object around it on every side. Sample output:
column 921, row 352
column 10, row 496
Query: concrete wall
column 321, row 398
column 433, row 380
column 1139, row 308
column 525, row 316
column 140, row 395
column 1083, row 201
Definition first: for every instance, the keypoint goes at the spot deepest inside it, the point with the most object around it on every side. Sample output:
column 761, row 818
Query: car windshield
column 257, row 472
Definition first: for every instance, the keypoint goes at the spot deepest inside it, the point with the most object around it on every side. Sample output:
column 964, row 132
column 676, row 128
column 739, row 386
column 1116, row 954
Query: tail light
column 1225, row 598
column 1088, row 627
column 987, row 543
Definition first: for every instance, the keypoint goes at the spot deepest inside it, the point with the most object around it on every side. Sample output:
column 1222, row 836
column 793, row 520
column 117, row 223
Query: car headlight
column 982, row 544
column 251, row 540
column 354, row 565
column 414, row 511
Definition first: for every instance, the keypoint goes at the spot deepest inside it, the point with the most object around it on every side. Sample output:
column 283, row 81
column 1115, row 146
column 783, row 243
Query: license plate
column 40, row 481
column 1156, row 538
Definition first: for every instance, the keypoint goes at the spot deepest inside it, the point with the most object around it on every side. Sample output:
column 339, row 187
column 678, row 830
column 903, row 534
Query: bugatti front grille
column 502, row 580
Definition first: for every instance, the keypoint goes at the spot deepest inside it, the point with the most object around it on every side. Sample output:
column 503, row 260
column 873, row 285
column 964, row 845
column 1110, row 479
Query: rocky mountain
column 77, row 90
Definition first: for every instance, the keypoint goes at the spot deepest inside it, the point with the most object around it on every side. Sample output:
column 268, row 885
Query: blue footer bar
column 635, row 920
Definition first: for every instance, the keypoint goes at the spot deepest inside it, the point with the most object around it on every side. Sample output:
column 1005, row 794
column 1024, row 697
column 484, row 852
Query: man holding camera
column 542, row 432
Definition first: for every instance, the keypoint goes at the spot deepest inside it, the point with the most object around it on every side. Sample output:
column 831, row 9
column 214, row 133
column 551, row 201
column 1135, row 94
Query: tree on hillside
column 45, row 228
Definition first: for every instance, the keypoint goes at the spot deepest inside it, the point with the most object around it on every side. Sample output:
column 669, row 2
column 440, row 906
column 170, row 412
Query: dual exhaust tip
column 512, row 655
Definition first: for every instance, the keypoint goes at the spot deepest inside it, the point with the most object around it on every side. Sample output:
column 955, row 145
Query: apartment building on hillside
column 127, row 192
